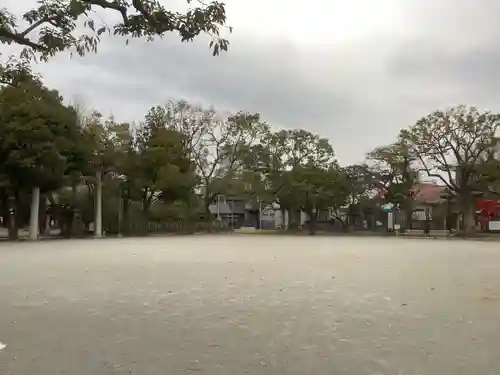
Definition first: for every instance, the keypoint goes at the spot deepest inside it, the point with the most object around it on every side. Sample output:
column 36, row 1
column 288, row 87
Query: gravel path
column 234, row 305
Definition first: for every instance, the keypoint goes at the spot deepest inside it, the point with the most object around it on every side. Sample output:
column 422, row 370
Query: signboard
column 494, row 226
column 390, row 221
column 387, row 207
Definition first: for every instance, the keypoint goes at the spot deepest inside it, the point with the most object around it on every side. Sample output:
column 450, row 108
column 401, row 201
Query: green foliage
column 456, row 146
column 14, row 71
column 181, row 156
column 158, row 166
column 52, row 26
column 395, row 167
column 322, row 187
column 451, row 144
column 219, row 147
column 37, row 135
column 297, row 169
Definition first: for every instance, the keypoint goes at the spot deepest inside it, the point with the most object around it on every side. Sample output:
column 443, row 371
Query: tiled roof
column 424, row 192
column 428, row 192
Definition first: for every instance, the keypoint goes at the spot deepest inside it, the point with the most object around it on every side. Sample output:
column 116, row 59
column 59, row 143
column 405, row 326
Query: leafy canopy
column 37, row 134
column 158, row 166
column 53, row 25
column 450, row 145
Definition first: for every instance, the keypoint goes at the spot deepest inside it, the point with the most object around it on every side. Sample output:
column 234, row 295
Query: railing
column 138, row 227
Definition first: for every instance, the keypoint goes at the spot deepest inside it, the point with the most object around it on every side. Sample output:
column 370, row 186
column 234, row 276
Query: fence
column 143, row 227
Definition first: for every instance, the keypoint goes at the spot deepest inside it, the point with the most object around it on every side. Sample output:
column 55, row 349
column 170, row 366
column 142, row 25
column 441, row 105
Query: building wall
column 438, row 216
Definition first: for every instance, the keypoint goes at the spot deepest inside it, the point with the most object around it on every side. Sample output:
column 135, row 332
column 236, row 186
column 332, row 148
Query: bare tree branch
column 20, row 39
column 109, row 5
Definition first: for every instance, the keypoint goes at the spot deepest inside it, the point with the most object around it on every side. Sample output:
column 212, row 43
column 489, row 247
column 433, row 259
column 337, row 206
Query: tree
column 395, row 166
column 450, row 145
column 290, row 160
column 365, row 187
column 52, row 26
column 36, row 138
column 262, row 178
column 320, row 187
column 160, row 167
column 107, row 145
column 335, row 192
column 216, row 145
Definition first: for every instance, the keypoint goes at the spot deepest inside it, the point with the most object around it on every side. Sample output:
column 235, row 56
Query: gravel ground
column 233, row 305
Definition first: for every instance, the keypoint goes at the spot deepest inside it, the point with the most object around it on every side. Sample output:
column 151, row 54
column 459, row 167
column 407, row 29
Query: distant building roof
column 425, row 192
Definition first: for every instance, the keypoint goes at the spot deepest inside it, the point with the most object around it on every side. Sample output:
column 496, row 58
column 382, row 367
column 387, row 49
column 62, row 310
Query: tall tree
column 161, row 168
column 304, row 151
column 286, row 162
column 264, row 164
column 36, row 139
column 365, row 184
column 106, row 144
column 320, row 187
column 396, row 167
column 216, row 145
column 52, row 26
column 450, row 145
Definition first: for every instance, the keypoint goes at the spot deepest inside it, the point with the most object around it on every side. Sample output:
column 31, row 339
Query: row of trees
column 47, row 145
column 457, row 147
column 181, row 156
column 176, row 151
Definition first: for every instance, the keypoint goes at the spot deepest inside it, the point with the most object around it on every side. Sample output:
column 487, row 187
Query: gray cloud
column 358, row 94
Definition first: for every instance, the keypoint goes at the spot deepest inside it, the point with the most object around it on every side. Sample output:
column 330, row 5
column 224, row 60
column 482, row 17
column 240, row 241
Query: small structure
column 431, row 207
column 229, row 209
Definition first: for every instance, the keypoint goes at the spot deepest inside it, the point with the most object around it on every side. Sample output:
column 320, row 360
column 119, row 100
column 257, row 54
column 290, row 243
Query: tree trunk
column 72, row 230
column 293, row 224
column 189, row 219
column 147, row 198
column 312, row 222
column 208, row 214
column 342, row 222
column 34, row 214
column 363, row 217
column 47, row 218
column 126, row 221
column 407, row 216
column 258, row 221
column 12, row 219
column 42, row 215
column 98, row 206
column 468, row 214
column 119, row 225
column 427, row 222
column 284, row 221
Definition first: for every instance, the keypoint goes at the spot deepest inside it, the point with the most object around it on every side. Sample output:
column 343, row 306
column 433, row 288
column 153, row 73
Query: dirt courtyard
column 248, row 304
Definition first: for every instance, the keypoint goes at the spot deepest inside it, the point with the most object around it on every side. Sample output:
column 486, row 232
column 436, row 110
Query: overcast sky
column 355, row 71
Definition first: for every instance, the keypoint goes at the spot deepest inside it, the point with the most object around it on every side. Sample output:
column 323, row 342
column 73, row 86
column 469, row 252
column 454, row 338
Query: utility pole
column 34, row 213
column 232, row 214
column 260, row 214
column 218, row 208
column 98, row 205
column 120, row 214
column 120, row 203
column 427, row 224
